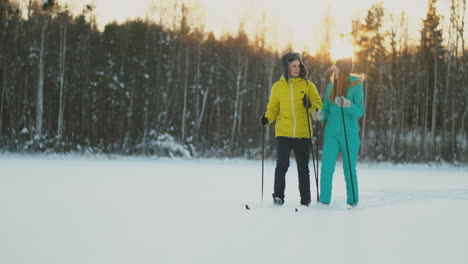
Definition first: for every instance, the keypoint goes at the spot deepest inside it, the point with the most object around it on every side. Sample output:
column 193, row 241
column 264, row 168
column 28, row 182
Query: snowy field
column 107, row 211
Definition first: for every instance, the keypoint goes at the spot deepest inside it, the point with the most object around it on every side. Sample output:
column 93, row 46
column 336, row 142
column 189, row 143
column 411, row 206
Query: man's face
column 294, row 68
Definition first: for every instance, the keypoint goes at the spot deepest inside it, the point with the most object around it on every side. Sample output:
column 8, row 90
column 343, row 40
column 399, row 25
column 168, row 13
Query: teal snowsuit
column 334, row 140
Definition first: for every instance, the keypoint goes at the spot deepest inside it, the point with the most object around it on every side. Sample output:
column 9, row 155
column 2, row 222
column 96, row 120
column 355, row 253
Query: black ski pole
column 317, row 151
column 312, row 151
column 347, row 151
column 263, row 156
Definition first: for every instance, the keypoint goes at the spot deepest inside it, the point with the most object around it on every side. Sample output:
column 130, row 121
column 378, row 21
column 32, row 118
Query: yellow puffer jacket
column 285, row 106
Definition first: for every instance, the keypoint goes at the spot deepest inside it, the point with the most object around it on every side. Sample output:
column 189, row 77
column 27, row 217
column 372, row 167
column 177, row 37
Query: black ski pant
column 301, row 148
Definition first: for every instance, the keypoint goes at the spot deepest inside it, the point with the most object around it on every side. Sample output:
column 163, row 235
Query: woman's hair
column 340, row 86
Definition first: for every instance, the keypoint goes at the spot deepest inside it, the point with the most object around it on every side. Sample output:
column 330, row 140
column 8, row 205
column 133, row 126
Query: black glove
column 306, row 102
column 264, row 121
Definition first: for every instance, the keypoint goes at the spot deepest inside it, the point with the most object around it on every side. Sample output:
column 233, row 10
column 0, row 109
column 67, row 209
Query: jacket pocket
column 285, row 125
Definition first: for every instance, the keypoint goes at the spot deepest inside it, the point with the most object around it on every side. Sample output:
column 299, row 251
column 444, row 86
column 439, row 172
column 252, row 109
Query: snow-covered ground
column 61, row 210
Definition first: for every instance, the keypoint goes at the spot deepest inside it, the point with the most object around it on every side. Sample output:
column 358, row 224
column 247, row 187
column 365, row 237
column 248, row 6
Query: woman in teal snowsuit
column 342, row 83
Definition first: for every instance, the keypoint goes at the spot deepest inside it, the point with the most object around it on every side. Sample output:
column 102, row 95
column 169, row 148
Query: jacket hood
column 356, row 79
column 293, row 56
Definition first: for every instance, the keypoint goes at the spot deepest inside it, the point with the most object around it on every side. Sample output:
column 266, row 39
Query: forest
column 143, row 87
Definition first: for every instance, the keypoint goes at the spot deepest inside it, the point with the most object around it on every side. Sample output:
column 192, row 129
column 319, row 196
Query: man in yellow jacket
column 289, row 99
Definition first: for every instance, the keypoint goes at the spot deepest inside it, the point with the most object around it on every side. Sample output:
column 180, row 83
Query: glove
column 306, row 102
column 342, row 102
column 264, row 121
column 317, row 115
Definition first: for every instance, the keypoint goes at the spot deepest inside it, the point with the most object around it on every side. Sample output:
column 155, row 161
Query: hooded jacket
column 285, row 106
column 332, row 112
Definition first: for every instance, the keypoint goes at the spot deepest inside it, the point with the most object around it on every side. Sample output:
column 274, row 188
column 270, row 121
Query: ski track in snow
column 380, row 198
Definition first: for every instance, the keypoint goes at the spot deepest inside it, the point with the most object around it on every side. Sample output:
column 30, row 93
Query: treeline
column 144, row 88
column 416, row 96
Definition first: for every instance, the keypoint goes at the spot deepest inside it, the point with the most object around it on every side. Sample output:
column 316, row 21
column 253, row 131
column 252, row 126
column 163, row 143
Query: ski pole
column 347, row 151
column 312, row 150
column 317, row 150
column 263, row 156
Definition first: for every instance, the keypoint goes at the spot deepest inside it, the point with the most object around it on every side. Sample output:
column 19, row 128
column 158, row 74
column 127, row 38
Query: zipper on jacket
column 293, row 112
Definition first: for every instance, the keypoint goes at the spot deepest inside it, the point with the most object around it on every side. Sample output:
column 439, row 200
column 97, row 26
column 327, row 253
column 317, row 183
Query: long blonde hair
column 341, row 85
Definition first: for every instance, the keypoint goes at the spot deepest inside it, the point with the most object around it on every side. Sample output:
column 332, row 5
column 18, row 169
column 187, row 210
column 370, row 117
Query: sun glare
column 341, row 48
column 282, row 29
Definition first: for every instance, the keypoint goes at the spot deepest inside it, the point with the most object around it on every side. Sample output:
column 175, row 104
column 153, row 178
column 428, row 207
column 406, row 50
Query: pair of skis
column 297, row 209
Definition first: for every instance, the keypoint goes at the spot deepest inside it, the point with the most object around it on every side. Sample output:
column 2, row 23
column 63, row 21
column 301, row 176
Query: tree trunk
column 203, row 107
column 426, row 114
column 265, row 95
column 237, row 103
column 236, row 107
column 87, row 125
column 364, row 118
column 200, row 110
column 130, row 114
column 196, row 81
column 166, row 98
column 445, row 104
column 241, row 100
column 40, row 85
column 63, row 53
column 416, row 128
column 184, row 108
column 434, row 109
column 159, row 90
column 4, row 87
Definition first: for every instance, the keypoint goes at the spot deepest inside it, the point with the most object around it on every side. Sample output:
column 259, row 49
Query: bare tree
column 62, row 64
column 40, row 85
column 2, row 97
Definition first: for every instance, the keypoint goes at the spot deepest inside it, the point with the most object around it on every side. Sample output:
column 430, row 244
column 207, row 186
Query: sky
column 295, row 22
